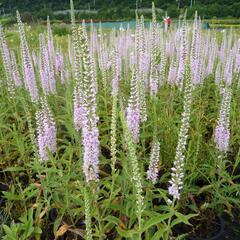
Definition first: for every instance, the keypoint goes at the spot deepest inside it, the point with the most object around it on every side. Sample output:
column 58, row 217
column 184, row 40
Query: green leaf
column 14, row 169
column 37, row 231
column 175, row 222
column 159, row 234
column 184, row 218
column 11, row 196
column 126, row 233
column 7, row 230
column 155, row 220
column 56, row 225
column 29, row 229
column 112, row 219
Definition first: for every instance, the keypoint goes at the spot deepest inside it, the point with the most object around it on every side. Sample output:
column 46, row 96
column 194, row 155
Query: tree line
column 124, row 9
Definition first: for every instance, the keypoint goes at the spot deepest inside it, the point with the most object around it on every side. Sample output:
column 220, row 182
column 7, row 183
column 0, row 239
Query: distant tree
column 235, row 9
column 113, row 9
column 27, row 17
column 43, row 13
column 173, row 11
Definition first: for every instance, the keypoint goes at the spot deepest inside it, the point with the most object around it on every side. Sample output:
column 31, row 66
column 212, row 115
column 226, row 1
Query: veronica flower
column 35, row 59
column 59, row 62
column 228, row 69
column 44, row 65
column 47, row 66
column 75, row 55
column 144, row 58
column 172, row 72
column 132, row 60
column 15, row 72
column 153, row 78
column 135, row 169
column 62, row 76
column 28, row 70
column 152, row 173
column 222, row 137
column 89, row 129
column 218, row 74
column 89, row 125
column 133, row 110
column 223, row 48
column 183, row 55
column 91, row 153
column 50, row 47
column 142, row 99
column 46, row 131
column 144, row 62
column 211, row 58
column 194, row 55
column 222, row 131
column 6, row 62
column 79, row 110
column 237, row 60
column 153, row 53
column 116, row 72
column 162, row 66
column 176, row 182
column 103, row 58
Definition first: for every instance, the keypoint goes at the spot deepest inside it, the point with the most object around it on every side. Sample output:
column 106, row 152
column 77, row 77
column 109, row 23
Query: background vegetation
column 119, row 10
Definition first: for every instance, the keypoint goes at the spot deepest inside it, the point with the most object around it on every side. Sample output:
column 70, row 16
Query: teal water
column 132, row 24
column 118, row 25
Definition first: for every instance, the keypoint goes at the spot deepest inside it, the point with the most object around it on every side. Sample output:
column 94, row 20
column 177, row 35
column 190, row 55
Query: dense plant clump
column 122, row 134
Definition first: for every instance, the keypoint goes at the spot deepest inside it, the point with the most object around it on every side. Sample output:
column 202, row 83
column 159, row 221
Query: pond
column 117, row 25
column 132, row 24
